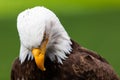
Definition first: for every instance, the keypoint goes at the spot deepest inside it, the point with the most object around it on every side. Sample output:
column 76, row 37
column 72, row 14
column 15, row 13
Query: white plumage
column 32, row 24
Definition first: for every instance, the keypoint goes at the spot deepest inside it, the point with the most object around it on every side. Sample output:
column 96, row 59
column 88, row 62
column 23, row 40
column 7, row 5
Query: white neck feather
column 59, row 42
column 40, row 20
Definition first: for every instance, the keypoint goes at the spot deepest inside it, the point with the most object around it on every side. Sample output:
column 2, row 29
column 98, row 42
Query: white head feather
column 32, row 24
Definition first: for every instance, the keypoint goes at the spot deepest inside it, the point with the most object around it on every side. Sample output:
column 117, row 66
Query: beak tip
column 44, row 69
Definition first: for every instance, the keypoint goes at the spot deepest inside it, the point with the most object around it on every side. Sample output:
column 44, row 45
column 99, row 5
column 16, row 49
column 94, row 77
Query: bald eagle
column 48, row 53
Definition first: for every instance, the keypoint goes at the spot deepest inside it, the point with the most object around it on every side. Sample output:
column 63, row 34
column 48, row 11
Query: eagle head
column 42, row 35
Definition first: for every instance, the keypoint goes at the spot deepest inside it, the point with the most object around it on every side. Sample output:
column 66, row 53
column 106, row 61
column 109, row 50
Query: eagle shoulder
column 87, row 65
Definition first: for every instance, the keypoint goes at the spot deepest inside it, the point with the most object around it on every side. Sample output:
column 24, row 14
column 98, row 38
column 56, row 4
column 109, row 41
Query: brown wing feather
column 85, row 50
column 81, row 64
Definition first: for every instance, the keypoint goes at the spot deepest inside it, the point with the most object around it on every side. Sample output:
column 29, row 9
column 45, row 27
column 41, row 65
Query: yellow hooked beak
column 39, row 55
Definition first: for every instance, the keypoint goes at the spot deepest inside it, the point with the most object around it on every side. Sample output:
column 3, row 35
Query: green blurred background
column 95, row 24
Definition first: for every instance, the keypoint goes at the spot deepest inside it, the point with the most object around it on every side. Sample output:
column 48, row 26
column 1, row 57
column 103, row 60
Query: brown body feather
column 81, row 64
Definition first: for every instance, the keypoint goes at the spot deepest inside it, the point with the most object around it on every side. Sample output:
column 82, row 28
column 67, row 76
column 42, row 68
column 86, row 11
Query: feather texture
column 32, row 24
column 81, row 64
